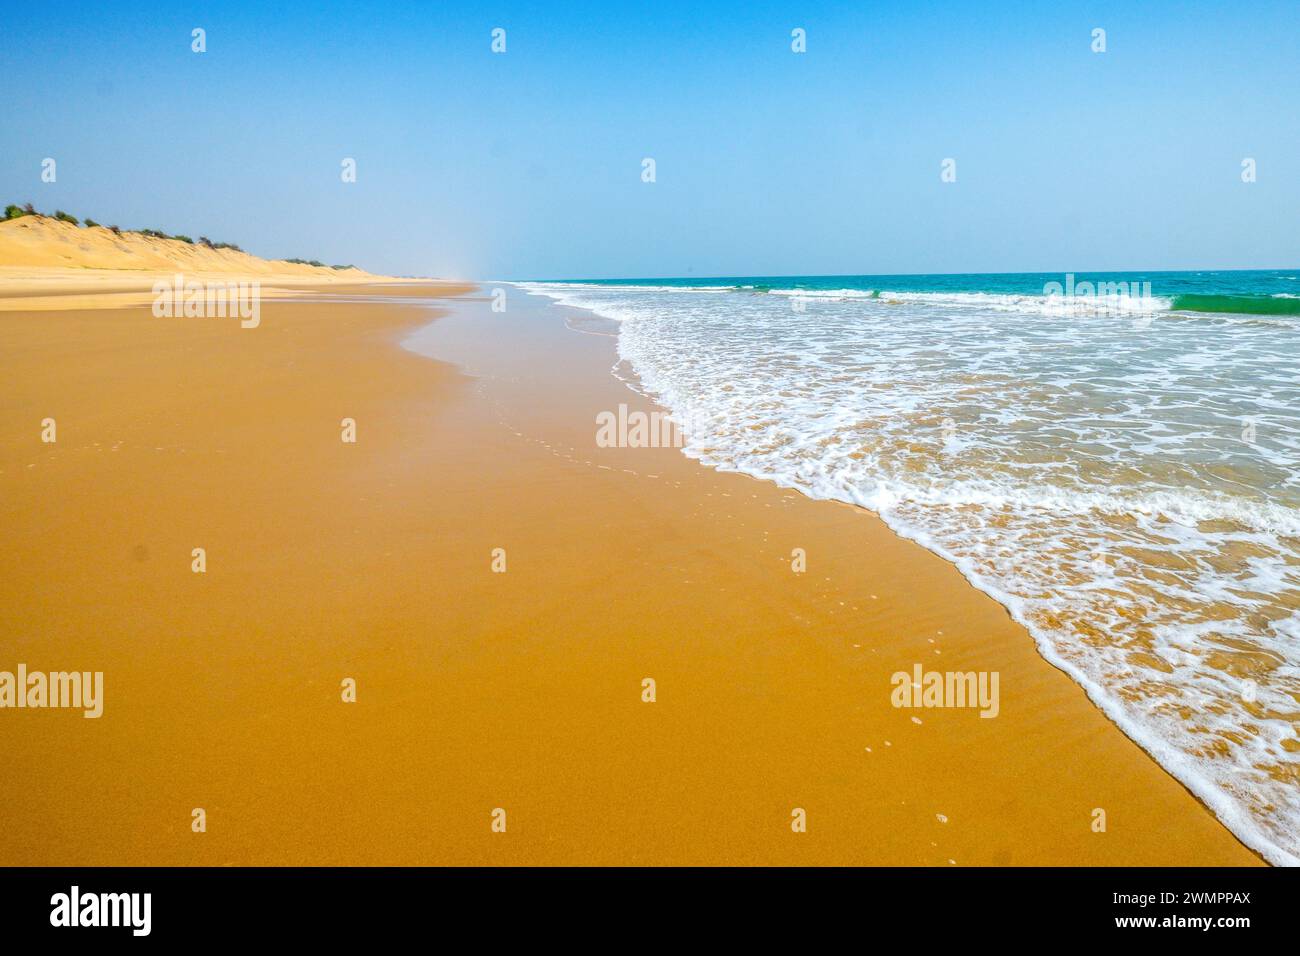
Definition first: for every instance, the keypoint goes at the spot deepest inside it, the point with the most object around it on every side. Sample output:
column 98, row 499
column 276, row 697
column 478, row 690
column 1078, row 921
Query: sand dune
column 47, row 265
column 43, row 242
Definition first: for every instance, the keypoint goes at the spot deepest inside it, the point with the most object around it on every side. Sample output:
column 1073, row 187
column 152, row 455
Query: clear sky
column 528, row 164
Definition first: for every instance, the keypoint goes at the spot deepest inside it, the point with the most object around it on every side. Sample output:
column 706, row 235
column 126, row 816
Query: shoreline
column 1202, row 790
column 1233, row 813
column 587, row 322
column 476, row 689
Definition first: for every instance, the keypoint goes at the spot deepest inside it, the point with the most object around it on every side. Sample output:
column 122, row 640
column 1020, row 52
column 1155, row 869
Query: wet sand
column 479, row 690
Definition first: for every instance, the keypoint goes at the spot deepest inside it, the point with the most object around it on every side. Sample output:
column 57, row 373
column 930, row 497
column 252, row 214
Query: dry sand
column 478, row 690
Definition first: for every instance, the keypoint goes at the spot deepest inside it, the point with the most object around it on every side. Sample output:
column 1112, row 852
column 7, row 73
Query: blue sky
column 528, row 164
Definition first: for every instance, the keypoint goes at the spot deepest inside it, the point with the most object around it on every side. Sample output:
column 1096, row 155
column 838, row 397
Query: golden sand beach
column 477, row 689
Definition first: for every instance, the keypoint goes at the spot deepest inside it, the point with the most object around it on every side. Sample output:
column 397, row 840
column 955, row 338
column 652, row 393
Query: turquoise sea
column 1257, row 292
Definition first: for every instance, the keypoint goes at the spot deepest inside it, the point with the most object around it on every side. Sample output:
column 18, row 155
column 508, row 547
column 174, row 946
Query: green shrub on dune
column 62, row 216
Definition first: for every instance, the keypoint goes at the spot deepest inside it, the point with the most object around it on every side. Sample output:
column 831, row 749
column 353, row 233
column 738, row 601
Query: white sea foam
column 1125, row 482
column 825, row 293
column 1119, row 303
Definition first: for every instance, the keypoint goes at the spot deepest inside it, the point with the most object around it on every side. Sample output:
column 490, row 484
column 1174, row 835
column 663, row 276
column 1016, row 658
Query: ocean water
column 1117, row 463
